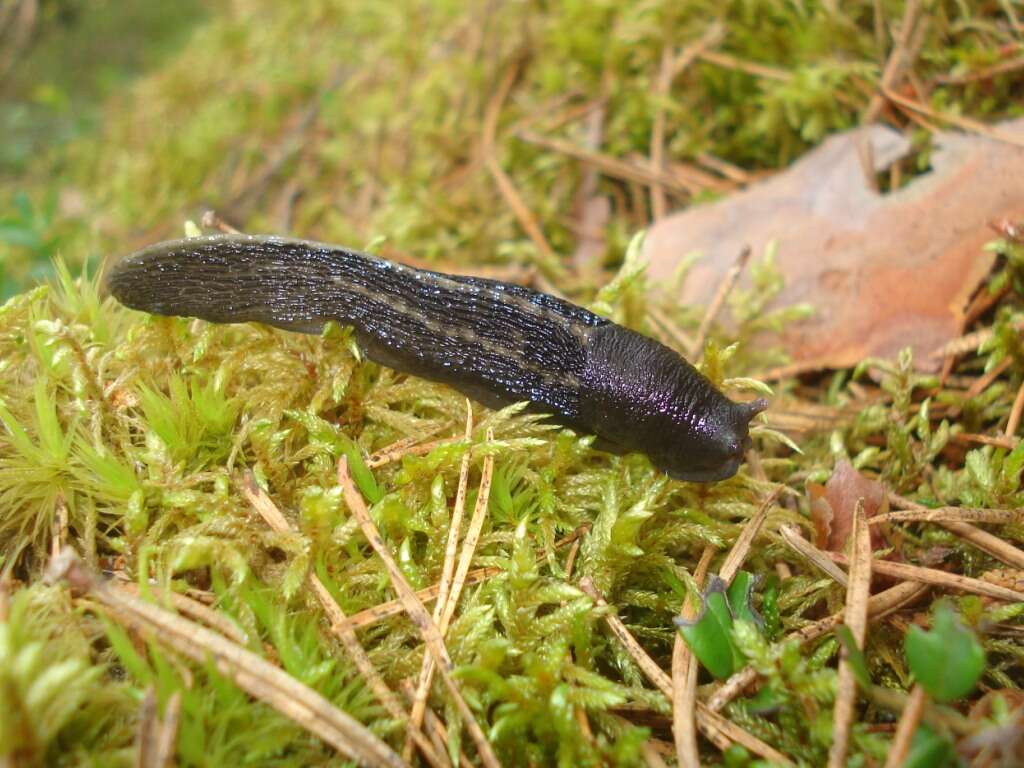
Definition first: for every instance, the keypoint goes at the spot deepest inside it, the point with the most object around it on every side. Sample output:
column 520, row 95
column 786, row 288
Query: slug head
column 641, row 396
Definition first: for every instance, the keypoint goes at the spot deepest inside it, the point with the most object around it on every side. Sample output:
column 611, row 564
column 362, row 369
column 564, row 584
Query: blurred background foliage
column 350, row 121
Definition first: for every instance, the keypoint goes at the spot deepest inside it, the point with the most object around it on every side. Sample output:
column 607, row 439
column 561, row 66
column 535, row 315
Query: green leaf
column 361, row 473
column 710, row 635
column 740, row 594
column 770, row 608
column 948, row 660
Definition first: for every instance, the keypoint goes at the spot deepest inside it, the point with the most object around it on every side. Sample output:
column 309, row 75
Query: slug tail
column 236, row 278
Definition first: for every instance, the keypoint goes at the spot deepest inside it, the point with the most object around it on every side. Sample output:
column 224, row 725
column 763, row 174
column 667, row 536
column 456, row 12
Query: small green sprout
column 710, row 635
column 948, row 660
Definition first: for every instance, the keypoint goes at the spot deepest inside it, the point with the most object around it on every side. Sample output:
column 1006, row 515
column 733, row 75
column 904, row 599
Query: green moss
column 61, row 706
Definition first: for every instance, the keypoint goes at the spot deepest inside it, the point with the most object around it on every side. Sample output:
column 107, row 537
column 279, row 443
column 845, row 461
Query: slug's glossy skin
column 495, row 342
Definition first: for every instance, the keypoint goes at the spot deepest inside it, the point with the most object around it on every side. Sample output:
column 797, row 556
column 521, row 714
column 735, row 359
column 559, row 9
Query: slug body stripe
column 496, row 342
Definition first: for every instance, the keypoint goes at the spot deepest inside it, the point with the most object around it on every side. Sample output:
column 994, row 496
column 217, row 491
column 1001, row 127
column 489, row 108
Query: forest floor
column 187, row 509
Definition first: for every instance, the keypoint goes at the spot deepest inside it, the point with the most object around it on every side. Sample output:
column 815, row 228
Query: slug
column 495, row 342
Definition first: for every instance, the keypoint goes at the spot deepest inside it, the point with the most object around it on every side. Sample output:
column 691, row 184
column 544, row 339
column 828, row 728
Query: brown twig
column 698, row 177
column 684, row 679
column 16, row 31
column 167, row 739
column 792, row 536
column 970, row 438
column 919, row 514
column 907, row 727
column 728, row 170
column 5, row 593
column 419, row 701
column 712, row 36
column 449, row 598
column 570, row 559
column 60, row 525
column 955, row 520
column 725, row 287
column 377, row 613
column 675, row 335
column 970, row 342
column 270, row 513
column 899, row 59
column 157, row 737
column 591, row 209
column 997, row 548
column 878, row 18
column 659, row 204
column 965, row 123
column 856, row 618
column 651, row 756
column 211, row 220
column 589, row 224
column 749, row 67
column 419, row 615
column 290, row 145
column 505, row 184
column 145, row 735
column 408, row 446
column 284, row 206
column 436, row 726
column 255, row 675
column 987, row 73
column 939, row 718
column 983, row 301
column 981, row 384
column 866, row 156
column 938, row 578
column 672, row 65
column 1013, row 423
column 612, row 166
column 741, row 548
column 472, row 539
column 192, row 609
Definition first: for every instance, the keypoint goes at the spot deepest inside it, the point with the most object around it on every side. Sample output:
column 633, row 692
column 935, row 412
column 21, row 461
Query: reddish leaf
column 883, row 271
column 833, row 504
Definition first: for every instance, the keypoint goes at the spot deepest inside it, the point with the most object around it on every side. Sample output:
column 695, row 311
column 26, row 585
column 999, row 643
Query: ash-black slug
column 495, row 342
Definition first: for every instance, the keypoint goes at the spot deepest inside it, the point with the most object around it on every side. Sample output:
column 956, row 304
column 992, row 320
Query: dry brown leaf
column 832, row 507
column 883, row 271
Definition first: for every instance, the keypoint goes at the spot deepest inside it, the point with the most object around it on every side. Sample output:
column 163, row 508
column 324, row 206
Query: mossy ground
column 352, row 122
